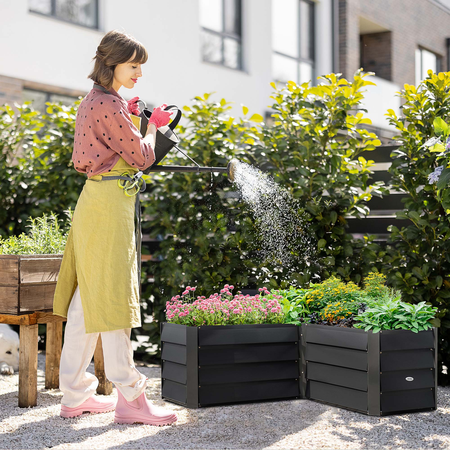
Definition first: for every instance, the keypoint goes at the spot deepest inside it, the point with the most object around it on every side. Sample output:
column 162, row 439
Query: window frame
column 223, row 34
column 438, row 62
column 312, row 46
column 53, row 15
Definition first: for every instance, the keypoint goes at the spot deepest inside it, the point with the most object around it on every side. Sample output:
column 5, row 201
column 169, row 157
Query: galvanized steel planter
column 212, row 365
column 389, row 372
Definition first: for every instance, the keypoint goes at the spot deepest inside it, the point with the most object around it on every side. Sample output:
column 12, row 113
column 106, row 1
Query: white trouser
column 78, row 385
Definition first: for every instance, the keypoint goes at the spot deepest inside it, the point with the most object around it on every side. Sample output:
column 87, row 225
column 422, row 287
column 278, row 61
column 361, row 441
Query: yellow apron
column 101, row 257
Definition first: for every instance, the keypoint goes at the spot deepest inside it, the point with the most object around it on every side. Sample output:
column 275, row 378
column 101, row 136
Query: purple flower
column 434, row 176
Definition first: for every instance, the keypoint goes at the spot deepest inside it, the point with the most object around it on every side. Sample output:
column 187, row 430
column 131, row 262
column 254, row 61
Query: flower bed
column 362, row 349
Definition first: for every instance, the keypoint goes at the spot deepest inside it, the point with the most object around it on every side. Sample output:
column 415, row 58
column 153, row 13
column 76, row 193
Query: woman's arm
column 150, row 136
column 116, row 129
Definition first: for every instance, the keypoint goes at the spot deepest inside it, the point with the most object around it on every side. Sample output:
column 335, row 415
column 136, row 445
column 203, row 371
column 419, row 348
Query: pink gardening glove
column 160, row 117
column 133, row 107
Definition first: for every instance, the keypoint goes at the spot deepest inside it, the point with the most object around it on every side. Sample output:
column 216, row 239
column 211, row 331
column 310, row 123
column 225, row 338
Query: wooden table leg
column 28, row 358
column 53, row 347
column 105, row 386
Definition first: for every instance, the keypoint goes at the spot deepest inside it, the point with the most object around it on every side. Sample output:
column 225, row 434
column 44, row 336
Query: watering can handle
column 175, row 121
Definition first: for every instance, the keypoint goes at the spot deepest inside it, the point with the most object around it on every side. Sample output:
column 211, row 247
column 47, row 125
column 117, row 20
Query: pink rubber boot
column 93, row 404
column 142, row 411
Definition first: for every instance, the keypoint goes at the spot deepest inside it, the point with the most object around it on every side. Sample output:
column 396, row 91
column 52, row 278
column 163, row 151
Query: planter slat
column 257, row 335
column 391, row 340
column 410, row 359
column 406, row 380
column 9, row 270
column 355, row 379
column 37, row 297
column 418, row 399
column 173, row 352
column 248, row 354
column 9, row 299
column 338, row 395
column 174, row 372
column 174, row 391
column 338, row 337
column 246, row 392
column 242, row 373
column 28, row 282
column 337, row 356
column 174, row 335
column 37, row 269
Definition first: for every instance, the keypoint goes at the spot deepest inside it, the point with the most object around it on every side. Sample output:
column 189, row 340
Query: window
column 221, row 32
column 425, row 61
column 292, row 40
column 39, row 98
column 81, row 12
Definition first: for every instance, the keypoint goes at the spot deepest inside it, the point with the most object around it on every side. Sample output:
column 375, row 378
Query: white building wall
column 45, row 50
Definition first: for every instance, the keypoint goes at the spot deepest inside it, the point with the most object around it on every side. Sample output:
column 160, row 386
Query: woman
column 97, row 288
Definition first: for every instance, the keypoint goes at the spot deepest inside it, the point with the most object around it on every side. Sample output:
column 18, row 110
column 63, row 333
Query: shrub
column 418, row 260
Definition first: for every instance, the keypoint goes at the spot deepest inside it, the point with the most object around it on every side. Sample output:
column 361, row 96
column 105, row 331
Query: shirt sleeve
column 121, row 135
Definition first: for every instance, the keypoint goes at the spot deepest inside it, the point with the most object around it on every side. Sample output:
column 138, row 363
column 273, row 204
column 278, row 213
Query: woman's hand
column 160, row 117
column 133, row 107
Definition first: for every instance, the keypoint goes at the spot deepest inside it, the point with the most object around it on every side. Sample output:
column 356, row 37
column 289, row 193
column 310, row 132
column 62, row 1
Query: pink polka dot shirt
column 104, row 132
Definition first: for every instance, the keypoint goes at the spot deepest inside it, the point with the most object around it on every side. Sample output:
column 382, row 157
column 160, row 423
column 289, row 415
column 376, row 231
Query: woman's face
column 127, row 74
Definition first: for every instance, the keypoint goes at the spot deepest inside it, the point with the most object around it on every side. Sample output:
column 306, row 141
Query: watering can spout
column 231, row 168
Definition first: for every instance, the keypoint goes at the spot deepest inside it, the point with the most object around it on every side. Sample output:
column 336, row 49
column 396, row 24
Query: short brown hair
column 115, row 48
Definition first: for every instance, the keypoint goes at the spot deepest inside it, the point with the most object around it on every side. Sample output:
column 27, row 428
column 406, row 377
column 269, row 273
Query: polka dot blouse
column 104, row 132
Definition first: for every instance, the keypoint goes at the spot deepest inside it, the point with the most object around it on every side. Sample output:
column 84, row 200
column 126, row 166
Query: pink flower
column 231, row 287
column 193, row 289
column 186, row 292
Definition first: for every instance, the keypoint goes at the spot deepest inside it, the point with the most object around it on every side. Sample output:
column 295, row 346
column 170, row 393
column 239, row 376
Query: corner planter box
column 28, row 282
column 389, row 372
column 212, row 365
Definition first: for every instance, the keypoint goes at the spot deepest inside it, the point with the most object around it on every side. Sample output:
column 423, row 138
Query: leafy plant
column 313, row 149
column 394, row 315
column 293, row 303
column 338, row 311
column 36, row 160
column 418, row 255
column 329, row 291
column 45, row 237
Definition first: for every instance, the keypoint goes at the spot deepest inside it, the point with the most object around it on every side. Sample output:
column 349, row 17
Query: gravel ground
column 287, row 424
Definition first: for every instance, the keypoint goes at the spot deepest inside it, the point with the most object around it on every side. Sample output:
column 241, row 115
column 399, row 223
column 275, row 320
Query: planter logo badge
column 409, row 379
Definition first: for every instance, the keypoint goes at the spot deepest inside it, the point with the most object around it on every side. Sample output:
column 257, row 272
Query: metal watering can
column 167, row 139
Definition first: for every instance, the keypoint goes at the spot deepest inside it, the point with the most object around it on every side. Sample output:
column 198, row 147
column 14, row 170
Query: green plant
column 293, row 303
column 394, row 315
column 45, row 237
column 374, row 285
column 314, row 150
column 338, row 311
column 330, row 291
column 418, row 255
column 35, row 161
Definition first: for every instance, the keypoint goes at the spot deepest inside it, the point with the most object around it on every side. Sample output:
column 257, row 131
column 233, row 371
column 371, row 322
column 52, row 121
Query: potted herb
column 29, row 266
column 228, row 349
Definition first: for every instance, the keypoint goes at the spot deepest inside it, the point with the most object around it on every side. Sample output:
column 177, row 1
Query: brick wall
column 10, row 90
column 412, row 23
column 376, row 54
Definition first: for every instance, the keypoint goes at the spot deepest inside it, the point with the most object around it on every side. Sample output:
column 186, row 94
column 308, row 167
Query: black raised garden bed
column 212, row 365
column 389, row 372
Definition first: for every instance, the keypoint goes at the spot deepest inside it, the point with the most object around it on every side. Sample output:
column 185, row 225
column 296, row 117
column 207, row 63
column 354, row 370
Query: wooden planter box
column 212, row 365
column 28, row 282
column 389, row 372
